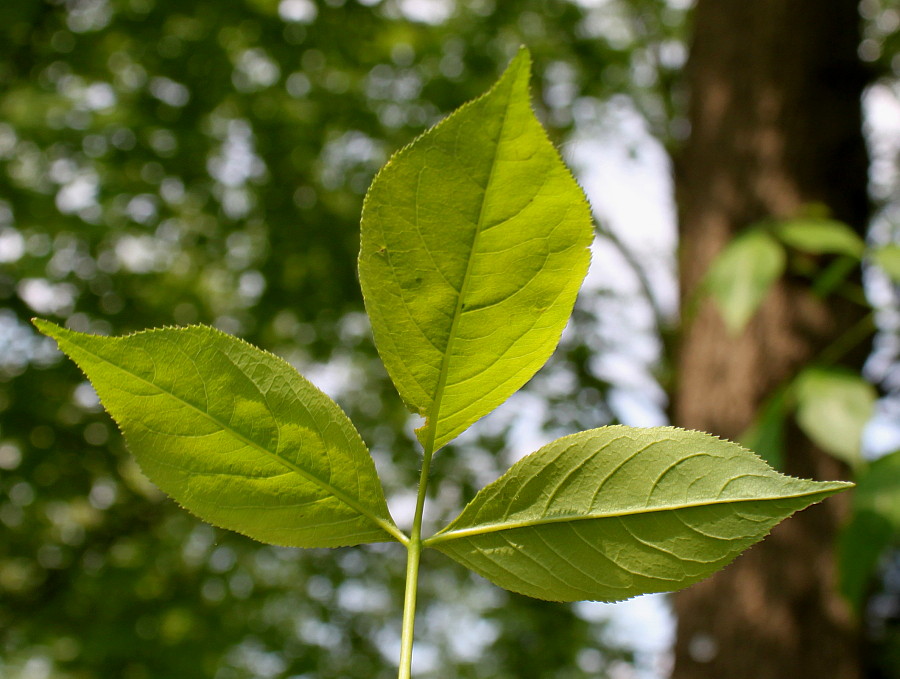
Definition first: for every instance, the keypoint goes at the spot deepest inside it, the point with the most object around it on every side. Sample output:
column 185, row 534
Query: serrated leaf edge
column 523, row 54
column 389, row 527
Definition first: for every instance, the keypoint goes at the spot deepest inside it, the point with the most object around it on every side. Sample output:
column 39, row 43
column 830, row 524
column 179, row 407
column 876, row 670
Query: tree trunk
column 775, row 90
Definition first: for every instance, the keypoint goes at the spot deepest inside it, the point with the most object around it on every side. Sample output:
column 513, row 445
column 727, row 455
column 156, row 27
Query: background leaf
column 888, row 258
column 741, row 275
column 820, row 236
column 766, row 435
column 474, row 244
column 236, row 435
column 615, row 512
column 874, row 526
column 833, row 407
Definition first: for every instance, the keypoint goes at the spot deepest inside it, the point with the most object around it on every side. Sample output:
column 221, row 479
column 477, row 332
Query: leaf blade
column 887, row 257
column 873, row 527
column 742, row 274
column 625, row 490
column 219, row 425
column 833, row 407
column 820, row 236
column 485, row 258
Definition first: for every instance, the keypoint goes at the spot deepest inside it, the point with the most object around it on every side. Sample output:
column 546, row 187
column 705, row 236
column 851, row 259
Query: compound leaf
column 236, row 435
column 611, row 513
column 474, row 244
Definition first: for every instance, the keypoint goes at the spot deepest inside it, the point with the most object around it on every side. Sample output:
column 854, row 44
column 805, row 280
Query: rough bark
column 775, row 90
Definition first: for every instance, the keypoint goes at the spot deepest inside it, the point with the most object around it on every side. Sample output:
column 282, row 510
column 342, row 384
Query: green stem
column 849, row 340
column 413, row 551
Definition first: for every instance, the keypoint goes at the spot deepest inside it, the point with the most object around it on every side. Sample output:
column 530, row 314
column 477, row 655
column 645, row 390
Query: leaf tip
column 44, row 326
column 840, row 486
column 519, row 69
column 522, row 57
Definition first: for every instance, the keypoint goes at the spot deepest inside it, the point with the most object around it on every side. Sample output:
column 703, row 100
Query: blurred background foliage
column 193, row 161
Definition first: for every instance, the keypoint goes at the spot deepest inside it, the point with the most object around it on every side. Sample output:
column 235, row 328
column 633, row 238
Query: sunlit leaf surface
column 236, row 435
column 611, row 513
column 474, row 244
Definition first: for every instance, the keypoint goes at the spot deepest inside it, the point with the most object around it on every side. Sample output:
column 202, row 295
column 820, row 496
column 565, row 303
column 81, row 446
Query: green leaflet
column 820, row 236
column 740, row 277
column 611, row 513
column 474, row 244
column 833, row 407
column 765, row 436
column 873, row 527
column 236, row 435
column 888, row 258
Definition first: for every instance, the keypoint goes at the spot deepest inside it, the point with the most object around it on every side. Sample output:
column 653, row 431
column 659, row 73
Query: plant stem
column 413, row 551
column 414, row 548
column 849, row 340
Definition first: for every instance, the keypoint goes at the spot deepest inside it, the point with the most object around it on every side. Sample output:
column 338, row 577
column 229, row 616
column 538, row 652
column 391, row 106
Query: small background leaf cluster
column 825, row 250
column 830, row 404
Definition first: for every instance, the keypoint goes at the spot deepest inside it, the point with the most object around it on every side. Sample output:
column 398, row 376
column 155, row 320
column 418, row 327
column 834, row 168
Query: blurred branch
column 659, row 316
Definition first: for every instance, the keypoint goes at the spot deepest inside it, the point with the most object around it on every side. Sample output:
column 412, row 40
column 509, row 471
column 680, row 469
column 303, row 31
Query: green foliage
column 833, row 407
column 616, row 512
column 474, row 244
column 493, row 269
column 742, row 274
column 219, row 154
column 820, row 236
column 236, row 435
column 873, row 527
column 887, row 258
column 830, row 405
column 766, row 435
column 827, row 252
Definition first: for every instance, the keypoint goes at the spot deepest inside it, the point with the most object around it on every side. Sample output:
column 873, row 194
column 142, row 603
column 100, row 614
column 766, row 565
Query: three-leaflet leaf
column 474, row 243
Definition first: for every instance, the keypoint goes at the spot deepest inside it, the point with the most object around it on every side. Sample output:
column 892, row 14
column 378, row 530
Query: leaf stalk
column 413, row 552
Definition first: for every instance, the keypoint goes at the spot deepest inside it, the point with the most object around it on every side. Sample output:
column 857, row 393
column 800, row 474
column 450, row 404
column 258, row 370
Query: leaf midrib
column 484, row 529
column 339, row 494
column 434, row 415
